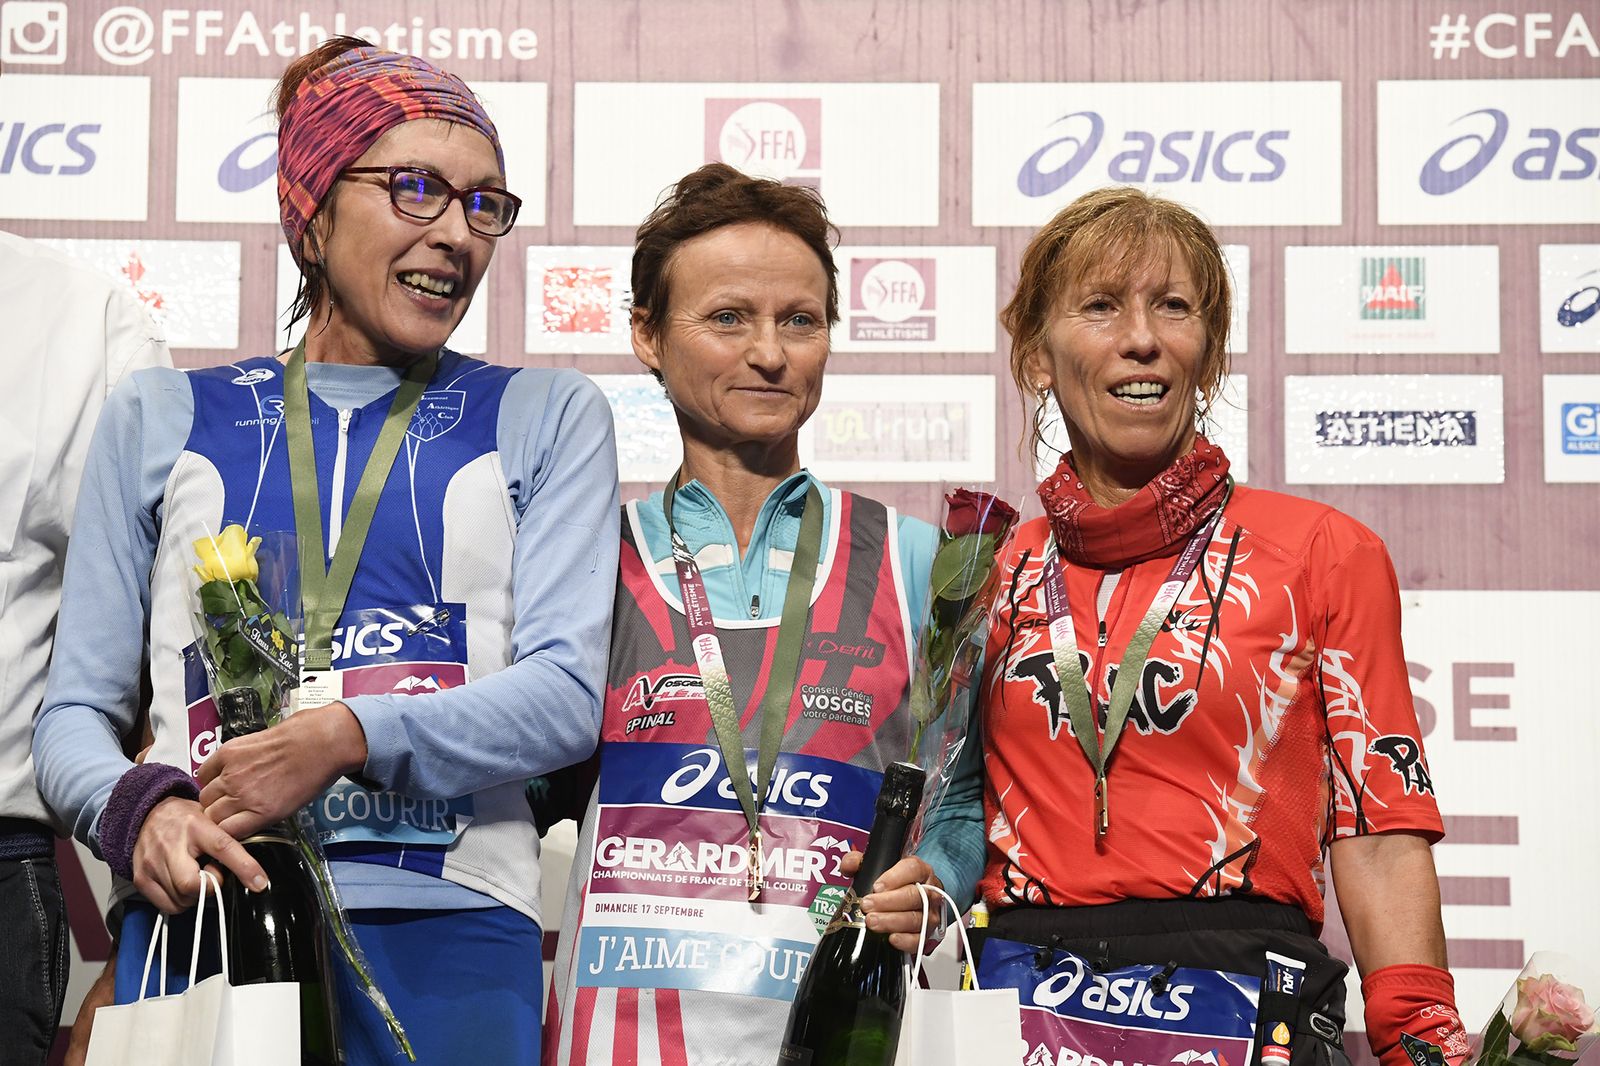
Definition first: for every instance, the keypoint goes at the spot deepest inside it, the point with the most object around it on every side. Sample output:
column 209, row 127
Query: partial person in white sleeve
column 72, row 336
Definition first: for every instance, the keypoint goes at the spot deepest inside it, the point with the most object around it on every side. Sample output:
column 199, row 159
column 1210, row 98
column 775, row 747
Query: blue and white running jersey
column 430, row 606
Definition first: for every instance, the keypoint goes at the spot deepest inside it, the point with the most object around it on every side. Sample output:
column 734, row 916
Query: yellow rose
column 227, row 556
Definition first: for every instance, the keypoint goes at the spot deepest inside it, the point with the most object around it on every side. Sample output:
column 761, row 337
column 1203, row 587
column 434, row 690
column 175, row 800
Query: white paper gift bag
column 213, row 1023
column 962, row 1028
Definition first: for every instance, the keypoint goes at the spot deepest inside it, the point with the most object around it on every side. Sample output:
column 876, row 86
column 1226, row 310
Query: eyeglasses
column 424, row 195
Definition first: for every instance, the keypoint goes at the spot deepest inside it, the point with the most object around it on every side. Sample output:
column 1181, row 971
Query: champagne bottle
column 278, row 934
column 847, row 1009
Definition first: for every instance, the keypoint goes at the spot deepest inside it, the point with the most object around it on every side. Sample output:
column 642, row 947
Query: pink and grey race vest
column 662, row 958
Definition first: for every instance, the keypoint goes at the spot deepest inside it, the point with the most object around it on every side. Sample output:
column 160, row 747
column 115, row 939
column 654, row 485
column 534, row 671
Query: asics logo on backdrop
column 1542, row 159
column 801, row 788
column 1145, row 156
column 240, row 171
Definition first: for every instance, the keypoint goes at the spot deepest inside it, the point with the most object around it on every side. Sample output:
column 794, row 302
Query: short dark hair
column 714, row 196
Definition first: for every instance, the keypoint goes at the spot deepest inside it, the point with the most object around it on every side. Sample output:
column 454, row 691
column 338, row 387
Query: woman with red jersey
column 1194, row 693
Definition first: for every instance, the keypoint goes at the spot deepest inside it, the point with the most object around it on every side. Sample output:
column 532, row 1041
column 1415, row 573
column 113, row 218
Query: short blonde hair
column 1121, row 228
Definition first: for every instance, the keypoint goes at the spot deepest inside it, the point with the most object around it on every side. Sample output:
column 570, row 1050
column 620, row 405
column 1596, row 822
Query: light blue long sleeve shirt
column 752, row 585
column 554, row 437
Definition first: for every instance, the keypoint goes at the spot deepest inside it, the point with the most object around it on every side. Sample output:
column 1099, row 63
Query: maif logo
column 577, row 299
column 1580, row 428
column 1392, row 287
column 33, row 32
column 1414, row 429
column 887, row 296
column 779, row 139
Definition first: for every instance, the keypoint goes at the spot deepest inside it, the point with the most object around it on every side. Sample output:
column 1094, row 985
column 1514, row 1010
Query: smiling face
column 1124, row 354
column 400, row 285
column 744, row 341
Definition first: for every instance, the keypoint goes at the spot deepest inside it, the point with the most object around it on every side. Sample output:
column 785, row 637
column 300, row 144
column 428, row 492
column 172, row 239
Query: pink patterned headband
column 344, row 107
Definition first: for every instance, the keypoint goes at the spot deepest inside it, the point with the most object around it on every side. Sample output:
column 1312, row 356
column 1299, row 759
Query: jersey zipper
column 336, row 491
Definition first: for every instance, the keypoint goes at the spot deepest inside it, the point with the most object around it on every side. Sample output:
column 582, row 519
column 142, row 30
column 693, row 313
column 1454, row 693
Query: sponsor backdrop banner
column 1408, row 194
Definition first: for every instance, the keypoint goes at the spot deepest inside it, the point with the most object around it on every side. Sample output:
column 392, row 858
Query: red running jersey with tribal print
column 1273, row 715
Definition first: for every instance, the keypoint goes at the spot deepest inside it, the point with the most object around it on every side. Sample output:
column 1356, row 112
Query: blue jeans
column 33, row 965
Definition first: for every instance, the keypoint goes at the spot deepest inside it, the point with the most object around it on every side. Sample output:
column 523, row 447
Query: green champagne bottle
column 847, row 1009
column 278, row 934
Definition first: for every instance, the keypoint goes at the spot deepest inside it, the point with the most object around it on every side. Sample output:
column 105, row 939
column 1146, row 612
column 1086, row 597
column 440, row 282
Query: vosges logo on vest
column 835, row 703
column 1413, row 429
column 886, row 296
column 1393, row 287
column 1515, row 151
column 74, row 147
column 1126, row 998
column 779, row 139
column 1580, row 428
column 1275, row 159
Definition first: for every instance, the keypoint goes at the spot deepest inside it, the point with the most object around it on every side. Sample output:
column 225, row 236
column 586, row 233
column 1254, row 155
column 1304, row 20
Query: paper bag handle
column 961, row 930
column 209, row 878
column 157, row 933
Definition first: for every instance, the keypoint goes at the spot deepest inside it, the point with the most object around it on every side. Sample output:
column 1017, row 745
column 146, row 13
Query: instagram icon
column 33, row 31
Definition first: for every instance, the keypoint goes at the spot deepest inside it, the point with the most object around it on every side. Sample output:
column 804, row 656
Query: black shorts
column 1232, row 934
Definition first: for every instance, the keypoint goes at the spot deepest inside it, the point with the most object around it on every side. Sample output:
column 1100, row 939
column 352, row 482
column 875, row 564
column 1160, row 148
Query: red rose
column 977, row 512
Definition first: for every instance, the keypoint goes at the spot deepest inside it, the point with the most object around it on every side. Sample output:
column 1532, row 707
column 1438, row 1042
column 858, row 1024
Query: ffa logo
column 1405, row 757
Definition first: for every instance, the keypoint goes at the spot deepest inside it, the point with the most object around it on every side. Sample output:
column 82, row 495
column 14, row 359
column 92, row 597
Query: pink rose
column 1550, row 1014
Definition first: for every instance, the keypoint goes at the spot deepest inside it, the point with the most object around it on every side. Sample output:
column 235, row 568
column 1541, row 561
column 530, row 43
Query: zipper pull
column 755, row 606
column 1102, row 633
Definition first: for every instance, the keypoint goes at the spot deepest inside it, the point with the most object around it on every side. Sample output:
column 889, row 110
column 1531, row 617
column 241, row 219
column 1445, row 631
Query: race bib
column 666, row 905
column 1135, row 1016
column 405, row 652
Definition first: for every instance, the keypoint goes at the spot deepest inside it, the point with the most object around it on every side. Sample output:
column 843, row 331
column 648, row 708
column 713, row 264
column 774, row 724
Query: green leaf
column 218, row 597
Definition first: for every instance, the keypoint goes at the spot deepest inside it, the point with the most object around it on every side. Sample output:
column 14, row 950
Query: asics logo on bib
column 1130, row 996
column 802, row 788
column 369, row 638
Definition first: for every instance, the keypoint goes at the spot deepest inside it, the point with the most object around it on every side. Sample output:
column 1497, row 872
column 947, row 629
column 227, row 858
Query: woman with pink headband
column 473, row 508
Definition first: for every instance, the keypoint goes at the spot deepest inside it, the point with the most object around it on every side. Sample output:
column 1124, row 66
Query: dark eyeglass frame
column 452, row 194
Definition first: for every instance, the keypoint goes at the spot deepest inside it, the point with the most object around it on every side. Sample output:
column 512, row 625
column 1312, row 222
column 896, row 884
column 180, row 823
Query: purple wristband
column 136, row 792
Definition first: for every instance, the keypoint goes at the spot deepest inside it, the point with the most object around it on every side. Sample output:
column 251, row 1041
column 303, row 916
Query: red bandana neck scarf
column 342, row 109
column 1157, row 521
